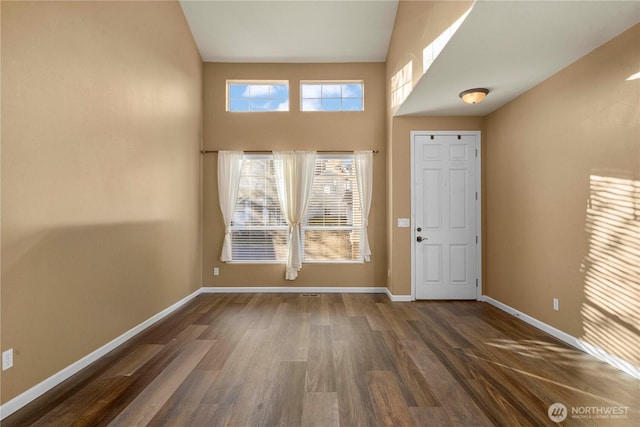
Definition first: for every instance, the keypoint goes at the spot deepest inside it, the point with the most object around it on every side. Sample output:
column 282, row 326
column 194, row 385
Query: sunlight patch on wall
column 611, row 309
column 634, row 76
column 431, row 52
column 401, row 84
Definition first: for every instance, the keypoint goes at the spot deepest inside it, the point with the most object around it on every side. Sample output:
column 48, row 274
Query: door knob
column 419, row 239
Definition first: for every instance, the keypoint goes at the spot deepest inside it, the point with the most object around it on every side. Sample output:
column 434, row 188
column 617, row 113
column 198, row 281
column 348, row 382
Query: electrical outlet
column 216, row 271
column 556, row 304
column 7, row 359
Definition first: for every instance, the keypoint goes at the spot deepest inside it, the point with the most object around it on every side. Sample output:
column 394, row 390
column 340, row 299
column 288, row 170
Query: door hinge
column 476, row 152
column 476, row 283
column 476, row 195
column 476, row 240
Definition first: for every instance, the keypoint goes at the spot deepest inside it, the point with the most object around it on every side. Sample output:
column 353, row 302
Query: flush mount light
column 473, row 96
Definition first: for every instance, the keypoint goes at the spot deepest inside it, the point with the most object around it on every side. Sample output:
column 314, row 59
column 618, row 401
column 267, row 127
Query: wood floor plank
column 149, row 402
column 88, row 406
column 210, row 415
column 180, row 407
column 442, row 325
column 288, row 402
column 320, row 374
column 433, row 417
column 293, row 335
column 334, row 360
column 412, row 383
column 258, row 386
column 231, row 378
column 133, row 360
column 320, row 409
column 397, row 321
column 445, row 387
column 360, row 305
column 354, row 405
column 147, row 373
column 218, row 355
column 387, row 400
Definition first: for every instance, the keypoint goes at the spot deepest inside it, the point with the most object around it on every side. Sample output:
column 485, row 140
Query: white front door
column 445, row 214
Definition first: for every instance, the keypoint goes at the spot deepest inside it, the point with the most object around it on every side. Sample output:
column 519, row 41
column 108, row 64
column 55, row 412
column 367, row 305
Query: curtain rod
column 269, row 152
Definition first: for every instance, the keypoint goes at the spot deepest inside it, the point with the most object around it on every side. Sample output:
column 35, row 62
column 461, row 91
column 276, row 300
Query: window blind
column 258, row 229
column 331, row 230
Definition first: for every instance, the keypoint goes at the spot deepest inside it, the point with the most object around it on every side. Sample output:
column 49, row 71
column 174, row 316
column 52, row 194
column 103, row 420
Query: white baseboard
column 307, row 290
column 590, row 349
column 397, row 298
column 38, row 390
column 295, row 290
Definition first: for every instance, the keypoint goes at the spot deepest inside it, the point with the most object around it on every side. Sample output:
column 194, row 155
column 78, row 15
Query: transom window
column 332, row 96
column 257, row 96
column 331, row 230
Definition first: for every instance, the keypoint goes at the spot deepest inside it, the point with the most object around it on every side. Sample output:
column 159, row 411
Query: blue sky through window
column 325, row 96
column 249, row 97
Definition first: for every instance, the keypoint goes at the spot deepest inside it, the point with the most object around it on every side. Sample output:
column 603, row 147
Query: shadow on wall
column 69, row 290
column 611, row 308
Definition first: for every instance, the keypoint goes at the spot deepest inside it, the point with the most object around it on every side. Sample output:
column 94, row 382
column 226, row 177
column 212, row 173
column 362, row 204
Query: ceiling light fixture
column 473, row 96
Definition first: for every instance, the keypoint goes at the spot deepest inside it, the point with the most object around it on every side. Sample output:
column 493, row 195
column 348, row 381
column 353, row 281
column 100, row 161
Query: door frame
column 478, row 204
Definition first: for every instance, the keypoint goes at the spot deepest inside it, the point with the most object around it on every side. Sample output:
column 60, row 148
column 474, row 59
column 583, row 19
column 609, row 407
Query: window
column 258, row 96
column 332, row 96
column 259, row 231
column 331, row 231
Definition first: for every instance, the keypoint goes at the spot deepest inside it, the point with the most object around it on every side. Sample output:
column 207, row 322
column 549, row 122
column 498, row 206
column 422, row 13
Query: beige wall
column 297, row 131
column 417, row 24
column 563, row 197
column 101, row 122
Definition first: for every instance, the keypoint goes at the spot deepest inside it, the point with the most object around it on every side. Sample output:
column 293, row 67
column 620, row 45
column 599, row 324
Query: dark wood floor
column 335, row 359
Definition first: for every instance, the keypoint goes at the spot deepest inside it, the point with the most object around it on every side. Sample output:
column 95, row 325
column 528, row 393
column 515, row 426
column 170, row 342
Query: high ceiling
column 291, row 31
column 505, row 46
column 509, row 47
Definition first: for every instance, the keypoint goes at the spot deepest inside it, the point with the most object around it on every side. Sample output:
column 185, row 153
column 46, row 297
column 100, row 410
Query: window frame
column 303, row 226
column 228, row 98
column 331, row 82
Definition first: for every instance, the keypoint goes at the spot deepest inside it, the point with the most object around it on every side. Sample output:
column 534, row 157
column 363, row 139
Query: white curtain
column 364, row 176
column 294, row 180
column 229, row 167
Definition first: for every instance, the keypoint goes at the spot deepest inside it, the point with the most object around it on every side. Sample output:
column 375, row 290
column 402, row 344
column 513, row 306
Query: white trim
column 479, row 214
column 590, row 349
column 398, row 298
column 38, row 390
column 295, row 290
column 306, row 290
column 478, row 135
